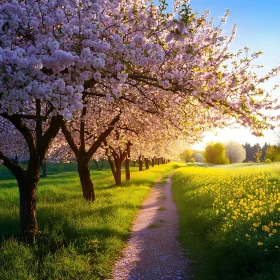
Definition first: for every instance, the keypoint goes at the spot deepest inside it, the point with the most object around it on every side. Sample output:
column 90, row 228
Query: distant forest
column 251, row 150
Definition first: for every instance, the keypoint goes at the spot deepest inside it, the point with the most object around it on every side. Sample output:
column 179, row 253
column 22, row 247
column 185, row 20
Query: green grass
column 230, row 220
column 52, row 168
column 163, row 179
column 78, row 240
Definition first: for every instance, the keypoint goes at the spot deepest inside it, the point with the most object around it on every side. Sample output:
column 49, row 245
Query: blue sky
column 258, row 27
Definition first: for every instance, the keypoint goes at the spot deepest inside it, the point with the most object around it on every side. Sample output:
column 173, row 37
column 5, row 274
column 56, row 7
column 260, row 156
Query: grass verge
column 78, row 240
column 230, row 220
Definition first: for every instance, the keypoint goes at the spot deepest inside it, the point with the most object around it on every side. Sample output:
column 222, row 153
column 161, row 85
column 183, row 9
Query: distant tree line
column 252, row 150
column 233, row 152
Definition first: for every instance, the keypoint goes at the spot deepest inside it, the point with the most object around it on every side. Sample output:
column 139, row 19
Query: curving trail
column 153, row 251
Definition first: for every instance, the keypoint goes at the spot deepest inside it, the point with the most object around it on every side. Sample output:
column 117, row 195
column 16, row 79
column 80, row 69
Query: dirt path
column 153, row 251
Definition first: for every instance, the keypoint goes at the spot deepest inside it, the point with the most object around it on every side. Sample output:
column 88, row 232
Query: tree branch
column 69, row 138
column 24, row 130
column 16, row 169
column 102, row 137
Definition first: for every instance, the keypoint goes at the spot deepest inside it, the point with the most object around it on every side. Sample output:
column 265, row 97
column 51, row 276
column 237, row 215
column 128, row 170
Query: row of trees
column 233, row 152
column 120, row 78
column 216, row 153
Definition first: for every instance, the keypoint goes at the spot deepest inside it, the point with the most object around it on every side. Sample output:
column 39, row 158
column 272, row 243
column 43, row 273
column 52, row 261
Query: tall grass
column 78, row 240
column 230, row 220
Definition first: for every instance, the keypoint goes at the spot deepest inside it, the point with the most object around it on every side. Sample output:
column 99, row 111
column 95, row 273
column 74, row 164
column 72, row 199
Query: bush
column 267, row 160
column 186, row 155
column 273, row 153
column 192, row 160
column 215, row 153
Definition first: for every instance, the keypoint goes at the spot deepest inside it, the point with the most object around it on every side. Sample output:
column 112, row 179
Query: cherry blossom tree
column 41, row 76
column 235, row 152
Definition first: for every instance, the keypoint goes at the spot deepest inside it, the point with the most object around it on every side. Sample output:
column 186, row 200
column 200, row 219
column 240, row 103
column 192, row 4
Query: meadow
column 78, row 240
column 230, row 219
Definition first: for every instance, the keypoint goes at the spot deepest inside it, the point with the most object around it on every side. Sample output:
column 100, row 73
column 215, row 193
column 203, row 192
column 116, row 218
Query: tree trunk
column 44, row 169
column 96, row 164
column 127, row 161
column 153, row 162
column 28, row 216
column 116, row 167
column 118, row 177
column 157, row 161
column 102, row 164
column 87, row 185
column 147, row 163
column 28, row 179
column 127, row 169
column 112, row 165
column 140, row 164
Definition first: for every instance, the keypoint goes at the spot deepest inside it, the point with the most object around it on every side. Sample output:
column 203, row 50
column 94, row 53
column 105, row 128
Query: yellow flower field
column 237, row 205
column 247, row 199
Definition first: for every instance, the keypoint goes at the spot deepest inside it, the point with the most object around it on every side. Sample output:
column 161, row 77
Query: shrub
column 273, row 153
column 186, row 155
column 215, row 153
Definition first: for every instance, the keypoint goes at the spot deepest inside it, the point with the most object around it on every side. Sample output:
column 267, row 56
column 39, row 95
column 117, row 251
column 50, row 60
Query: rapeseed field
column 230, row 219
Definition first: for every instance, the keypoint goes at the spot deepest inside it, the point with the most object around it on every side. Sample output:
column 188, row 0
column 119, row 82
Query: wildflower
column 260, row 243
column 266, row 228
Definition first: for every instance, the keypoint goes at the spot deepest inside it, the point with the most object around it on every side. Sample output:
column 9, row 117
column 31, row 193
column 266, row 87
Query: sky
column 258, row 27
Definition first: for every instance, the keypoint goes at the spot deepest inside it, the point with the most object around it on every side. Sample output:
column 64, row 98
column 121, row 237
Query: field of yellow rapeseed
column 230, row 219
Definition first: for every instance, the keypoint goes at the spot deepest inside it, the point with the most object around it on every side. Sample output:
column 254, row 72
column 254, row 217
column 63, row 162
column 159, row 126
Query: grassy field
column 78, row 240
column 230, row 219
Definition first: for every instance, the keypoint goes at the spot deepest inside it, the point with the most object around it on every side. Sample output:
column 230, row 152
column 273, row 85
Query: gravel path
column 153, row 251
